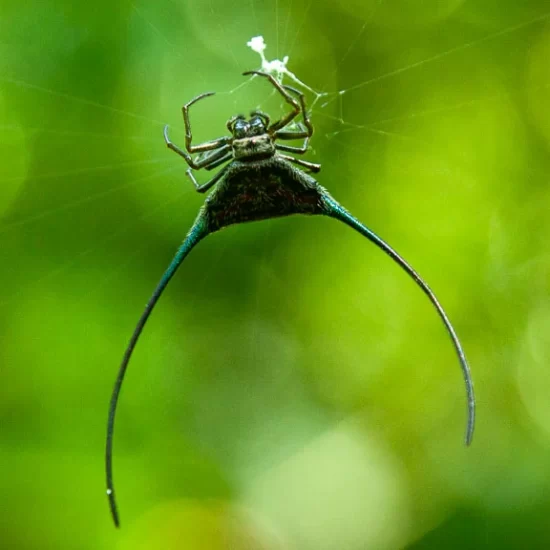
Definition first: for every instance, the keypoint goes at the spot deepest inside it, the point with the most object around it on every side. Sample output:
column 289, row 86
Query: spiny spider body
column 259, row 181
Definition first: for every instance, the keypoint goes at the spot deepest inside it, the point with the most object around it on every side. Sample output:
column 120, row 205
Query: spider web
column 415, row 125
column 328, row 103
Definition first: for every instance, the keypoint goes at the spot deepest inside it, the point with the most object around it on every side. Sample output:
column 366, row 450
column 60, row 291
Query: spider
column 261, row 182
column 251, row 140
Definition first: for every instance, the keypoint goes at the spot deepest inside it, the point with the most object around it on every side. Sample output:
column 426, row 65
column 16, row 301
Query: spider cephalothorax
column 251, row 139
column 258, row 182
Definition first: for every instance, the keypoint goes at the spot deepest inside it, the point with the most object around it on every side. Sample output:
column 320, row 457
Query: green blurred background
column 293, row 388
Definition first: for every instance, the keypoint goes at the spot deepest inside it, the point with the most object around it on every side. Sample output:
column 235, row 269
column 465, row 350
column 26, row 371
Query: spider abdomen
column 261, row 189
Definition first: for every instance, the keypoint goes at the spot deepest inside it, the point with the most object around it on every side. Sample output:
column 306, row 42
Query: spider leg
column 206, row 186
column 218, row 162
column 292, row 149
column 297, row 134
column 287, row 97
column 201, row 163
column 293, row 135
column 290, row 134
column 305, row 117
column 207, row 145
column 309, row 165
column 211, row 160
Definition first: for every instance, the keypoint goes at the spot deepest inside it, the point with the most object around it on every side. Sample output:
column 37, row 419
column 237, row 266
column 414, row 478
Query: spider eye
column 240, row 128
column 257, row 126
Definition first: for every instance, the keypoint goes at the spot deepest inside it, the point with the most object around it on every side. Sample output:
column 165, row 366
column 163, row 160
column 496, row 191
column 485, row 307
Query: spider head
column 251, row 139
column 241, row 128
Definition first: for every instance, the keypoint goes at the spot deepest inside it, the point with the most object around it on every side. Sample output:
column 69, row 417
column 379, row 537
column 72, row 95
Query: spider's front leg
column 287, row 97
column 207, row 145
column 288, row 134
column 208, row 161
